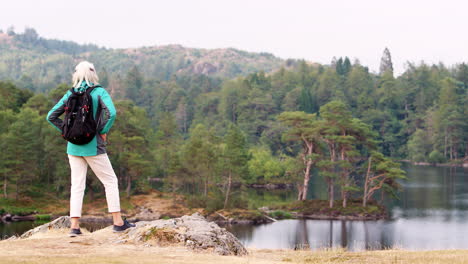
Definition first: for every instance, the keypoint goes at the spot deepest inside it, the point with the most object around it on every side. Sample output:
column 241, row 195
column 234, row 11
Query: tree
column 134, row 84
column 22, row 148
column 386, row 64
column 381, row 171
column 11, row 31
column 104, row 78
column 129, row 146
column 450, row 122
column 341, row 144
column 235, row 158
column 343, row 135
column 264, row 166
column 7, row 117
column 200, row 155
column 418, row 146
column 167, row 142
column 303, row 128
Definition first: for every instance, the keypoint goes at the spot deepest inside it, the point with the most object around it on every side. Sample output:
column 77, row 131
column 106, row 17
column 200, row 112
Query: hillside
column 27, row 56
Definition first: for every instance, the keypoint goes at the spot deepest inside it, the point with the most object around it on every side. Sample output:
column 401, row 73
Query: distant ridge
column 48, row 61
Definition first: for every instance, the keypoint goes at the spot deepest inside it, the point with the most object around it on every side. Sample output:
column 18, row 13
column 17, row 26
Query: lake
column 432, row 213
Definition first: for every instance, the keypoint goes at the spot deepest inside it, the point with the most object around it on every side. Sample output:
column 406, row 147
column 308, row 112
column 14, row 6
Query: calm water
column 432, row 213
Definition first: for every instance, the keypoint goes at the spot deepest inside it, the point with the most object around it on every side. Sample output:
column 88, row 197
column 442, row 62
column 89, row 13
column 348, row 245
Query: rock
column 6, row 218
column 59, row 223
column 23, row 218
column 192, row 231
column 146, row 214
column 272, row 186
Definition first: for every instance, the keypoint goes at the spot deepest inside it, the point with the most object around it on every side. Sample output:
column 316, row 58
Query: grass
column 14, row 207
column 34, row 202
column 54, row 251
column 253, row 216
column 279, row 214
column 43, row 217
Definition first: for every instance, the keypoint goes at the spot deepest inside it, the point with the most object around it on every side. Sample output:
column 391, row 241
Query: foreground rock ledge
column 192, row 231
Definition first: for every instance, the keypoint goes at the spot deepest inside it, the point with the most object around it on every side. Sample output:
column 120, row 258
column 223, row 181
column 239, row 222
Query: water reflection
column 413, row 234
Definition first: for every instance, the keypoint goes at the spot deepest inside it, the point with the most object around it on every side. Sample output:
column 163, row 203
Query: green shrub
column 436, row 157
column 42, row 217
column 278, row 214
column 196, row 202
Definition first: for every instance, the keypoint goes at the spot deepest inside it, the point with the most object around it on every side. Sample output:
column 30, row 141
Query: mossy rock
column 161, row 236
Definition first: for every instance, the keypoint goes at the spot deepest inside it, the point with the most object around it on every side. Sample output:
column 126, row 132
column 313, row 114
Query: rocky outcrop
column 62, row 222
column 193, row 232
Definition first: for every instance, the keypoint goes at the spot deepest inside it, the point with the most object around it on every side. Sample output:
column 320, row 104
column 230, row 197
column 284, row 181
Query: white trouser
column 101, row 166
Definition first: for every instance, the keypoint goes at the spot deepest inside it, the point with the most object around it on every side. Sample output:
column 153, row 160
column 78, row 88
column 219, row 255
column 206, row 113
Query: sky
column 315, row 30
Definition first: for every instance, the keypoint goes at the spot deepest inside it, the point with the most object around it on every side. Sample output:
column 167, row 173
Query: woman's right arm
column 56, row 111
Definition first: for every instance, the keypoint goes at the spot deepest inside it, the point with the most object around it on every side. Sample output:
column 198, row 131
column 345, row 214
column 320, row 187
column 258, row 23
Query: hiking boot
column 126, row 225
column 75, row 232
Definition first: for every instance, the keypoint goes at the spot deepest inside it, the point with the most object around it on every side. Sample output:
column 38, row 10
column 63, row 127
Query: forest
column 202, row 134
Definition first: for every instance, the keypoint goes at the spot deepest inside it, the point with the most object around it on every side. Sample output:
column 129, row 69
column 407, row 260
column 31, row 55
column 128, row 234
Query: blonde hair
column 85, row 71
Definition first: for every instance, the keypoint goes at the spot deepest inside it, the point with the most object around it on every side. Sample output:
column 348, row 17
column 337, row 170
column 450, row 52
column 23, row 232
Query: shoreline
column 157, row 205
column 423, row 163
column 231, row 217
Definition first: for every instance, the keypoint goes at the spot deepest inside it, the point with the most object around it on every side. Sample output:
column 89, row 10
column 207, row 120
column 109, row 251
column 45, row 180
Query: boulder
column 6, row 218
column 17, row 218
column 62, row 222
column 146, row 214
column 191, row 231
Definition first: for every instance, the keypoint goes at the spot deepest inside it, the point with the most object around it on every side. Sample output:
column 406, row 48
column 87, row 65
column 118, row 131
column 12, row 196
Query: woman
column 92, row 153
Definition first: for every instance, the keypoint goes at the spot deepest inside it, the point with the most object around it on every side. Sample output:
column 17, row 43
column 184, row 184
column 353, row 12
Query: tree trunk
column 17, row 191
column 445, row 144
column 331, row 187
column 344, row 177
column 345, row 199
column 366, row 182
column 129, row 185
column 299, row 191
column 228, row 190
column 5, row 182
column 205, row 191
column 306, row 180
column 451, row 149
column 331, row 192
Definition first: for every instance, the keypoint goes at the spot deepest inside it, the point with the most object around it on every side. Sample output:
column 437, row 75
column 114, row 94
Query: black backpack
column 79, row 126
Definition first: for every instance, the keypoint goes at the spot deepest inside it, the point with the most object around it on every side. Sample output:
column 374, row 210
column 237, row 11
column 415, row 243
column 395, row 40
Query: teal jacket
column 102, row 99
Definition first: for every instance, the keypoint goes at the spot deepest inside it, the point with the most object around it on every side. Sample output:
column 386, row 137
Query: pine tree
column 303, row 128
column 386, row 64
column 133, row 85
column 199, row 156
column 235, row 158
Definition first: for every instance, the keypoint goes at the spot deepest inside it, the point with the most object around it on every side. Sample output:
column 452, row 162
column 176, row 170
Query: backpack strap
column 99, row 107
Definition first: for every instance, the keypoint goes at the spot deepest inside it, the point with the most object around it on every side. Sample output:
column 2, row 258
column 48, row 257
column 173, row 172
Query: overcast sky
column 314, row 30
